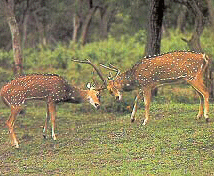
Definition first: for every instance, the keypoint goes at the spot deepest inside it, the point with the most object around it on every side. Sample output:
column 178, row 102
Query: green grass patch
column 98, row 143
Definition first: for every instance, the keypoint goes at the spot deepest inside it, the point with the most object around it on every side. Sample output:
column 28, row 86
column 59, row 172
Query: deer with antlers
column 155, row 71
column 50, row 88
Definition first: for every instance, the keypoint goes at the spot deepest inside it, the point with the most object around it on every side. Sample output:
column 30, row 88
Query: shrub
column 123, row 53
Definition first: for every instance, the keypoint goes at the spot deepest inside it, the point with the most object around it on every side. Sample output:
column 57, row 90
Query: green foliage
column 172, row 41
column 126, row 51
column 122, row 53
column 207, row 41
column 6, row 59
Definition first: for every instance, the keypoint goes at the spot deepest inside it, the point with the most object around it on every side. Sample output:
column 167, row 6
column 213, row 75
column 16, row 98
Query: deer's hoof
column 144, row 122
column 207, row 120
column 132, row 120
column 199, row 116
column 16, row 146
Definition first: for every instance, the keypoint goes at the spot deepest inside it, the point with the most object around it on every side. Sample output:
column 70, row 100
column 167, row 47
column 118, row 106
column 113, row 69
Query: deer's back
column 35, row 86
column 169, row 67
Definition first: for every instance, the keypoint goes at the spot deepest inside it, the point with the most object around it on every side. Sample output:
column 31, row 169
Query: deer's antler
column 97, row 70
column 112, row 68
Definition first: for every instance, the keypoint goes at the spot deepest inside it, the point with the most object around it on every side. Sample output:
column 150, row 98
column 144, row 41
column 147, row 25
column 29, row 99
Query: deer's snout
column 97, row 106
column 117, row 98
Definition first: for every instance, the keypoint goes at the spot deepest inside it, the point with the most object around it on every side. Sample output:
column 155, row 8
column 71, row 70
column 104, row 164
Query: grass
column 99, row 143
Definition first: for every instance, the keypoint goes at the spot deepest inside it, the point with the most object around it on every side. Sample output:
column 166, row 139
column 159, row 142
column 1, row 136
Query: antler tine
column 81, row 61
column 97, row 70
column 93, row 78
column 118, row 71
column 112, row 68
column 109, row 68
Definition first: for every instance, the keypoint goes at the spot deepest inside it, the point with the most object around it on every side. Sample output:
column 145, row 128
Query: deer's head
column 114, row 83
column 92, row 95
column 115, row 89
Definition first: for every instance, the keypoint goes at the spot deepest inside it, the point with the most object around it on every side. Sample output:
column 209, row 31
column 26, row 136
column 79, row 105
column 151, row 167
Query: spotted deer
column 50, row 88
column 152, row 72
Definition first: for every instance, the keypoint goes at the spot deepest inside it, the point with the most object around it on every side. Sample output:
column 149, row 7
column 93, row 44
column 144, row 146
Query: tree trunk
column 104, row 22
column 211, row 72
column 86, row 25
column 25, row 25
column 76, row 25
column 155, row 19
column 211, row 11
column 16, row 39
column 41, row 30
column 194, row 43
column 41, row 24
column 77, row 20
column 44, row 23
column 181, row 20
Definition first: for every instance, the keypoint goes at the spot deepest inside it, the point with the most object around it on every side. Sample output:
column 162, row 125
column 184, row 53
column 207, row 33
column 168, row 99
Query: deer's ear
column 88, row 85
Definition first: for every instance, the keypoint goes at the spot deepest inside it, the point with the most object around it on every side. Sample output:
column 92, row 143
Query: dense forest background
column 50, row 22
column 52, row 32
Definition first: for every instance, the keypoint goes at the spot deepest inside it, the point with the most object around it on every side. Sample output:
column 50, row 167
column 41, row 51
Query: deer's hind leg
column 10, row 123
column 147, row 101
column 204, row 98
column 201, row 106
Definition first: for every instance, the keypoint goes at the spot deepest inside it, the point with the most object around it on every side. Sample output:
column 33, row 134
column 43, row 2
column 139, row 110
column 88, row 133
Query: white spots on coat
column 166, row 67
column 48, row 87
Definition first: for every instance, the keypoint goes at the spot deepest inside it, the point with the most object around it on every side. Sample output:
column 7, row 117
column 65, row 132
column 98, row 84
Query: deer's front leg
column 52, row 110
column 147, row 101
column 46, row 122
column 135, row 107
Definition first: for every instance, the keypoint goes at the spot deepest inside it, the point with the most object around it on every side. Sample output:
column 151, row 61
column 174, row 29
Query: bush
column 123, row 53
column 173, row 42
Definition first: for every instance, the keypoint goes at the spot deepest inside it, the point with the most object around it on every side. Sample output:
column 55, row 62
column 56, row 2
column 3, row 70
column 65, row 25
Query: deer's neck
column 83, row 94
column 76, row 95
column 127, row 81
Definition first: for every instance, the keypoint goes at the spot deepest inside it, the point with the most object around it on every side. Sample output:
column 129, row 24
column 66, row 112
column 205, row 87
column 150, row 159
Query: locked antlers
column 104, row 86
column 112, row 68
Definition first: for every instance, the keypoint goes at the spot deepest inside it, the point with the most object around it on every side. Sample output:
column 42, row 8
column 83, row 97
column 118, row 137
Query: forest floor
column 99, row 143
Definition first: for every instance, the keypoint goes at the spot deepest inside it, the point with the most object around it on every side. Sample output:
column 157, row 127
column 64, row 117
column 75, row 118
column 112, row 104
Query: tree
column 87, row 21
column 107, row 12
column 77, row 19
column 103, row 21
column 42, row 22
column 194, row 43
column 85, row 12
column 199, row 9
column 211, row 11
column 155, row 19
column 82, row 21
column 16, row 40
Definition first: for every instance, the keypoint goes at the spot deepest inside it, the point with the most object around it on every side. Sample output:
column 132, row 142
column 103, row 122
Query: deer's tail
column 207, row 70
